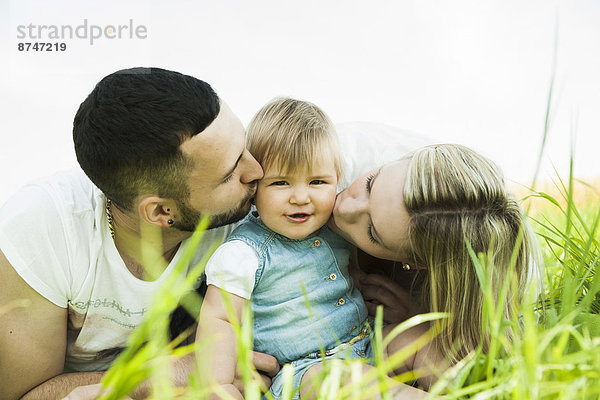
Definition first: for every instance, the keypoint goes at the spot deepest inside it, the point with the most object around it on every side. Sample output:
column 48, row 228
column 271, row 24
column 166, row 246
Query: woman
column 424, row 211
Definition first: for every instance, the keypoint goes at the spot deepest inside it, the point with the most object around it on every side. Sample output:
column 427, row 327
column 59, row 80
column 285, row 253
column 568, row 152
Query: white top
column 55, row 235
column 238, row 280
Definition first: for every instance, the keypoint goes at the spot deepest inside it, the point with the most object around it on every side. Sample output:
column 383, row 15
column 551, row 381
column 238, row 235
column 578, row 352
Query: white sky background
column 471, row 72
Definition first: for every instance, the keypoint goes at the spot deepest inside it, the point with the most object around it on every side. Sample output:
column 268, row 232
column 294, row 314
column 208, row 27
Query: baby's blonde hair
column 291, row 136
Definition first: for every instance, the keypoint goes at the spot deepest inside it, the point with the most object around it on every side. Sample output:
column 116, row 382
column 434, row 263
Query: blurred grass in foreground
column 555, row 353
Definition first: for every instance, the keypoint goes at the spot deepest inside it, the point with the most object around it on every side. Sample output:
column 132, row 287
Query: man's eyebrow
column 373, row 229
column 228, row 174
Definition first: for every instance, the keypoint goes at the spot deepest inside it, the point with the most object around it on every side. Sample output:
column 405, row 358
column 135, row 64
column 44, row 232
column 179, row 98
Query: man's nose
column 252, row 170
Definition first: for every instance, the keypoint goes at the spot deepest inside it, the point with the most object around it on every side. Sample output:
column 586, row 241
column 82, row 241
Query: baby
column 284, row 259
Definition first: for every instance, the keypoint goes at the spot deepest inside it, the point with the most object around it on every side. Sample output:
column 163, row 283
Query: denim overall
column 304, row 300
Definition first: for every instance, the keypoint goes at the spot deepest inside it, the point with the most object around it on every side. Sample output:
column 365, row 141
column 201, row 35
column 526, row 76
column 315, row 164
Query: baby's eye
column 279, row 183
column 317, row 182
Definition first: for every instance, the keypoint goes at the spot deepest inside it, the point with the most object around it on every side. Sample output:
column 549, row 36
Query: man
column 158, row 151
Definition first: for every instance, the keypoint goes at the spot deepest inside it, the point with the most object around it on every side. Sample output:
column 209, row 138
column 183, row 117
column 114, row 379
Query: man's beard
column 189, row 217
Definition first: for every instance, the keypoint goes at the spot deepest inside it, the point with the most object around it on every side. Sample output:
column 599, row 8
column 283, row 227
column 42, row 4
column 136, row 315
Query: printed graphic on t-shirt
column 97, row 332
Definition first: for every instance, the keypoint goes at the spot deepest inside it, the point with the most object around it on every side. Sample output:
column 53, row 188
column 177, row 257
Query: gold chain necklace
column 109, row 218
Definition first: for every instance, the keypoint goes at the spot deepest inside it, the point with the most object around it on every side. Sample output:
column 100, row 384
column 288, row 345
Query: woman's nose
column 352, row 207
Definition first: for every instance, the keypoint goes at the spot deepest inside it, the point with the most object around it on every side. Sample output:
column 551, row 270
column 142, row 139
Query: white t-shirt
column 55, row 235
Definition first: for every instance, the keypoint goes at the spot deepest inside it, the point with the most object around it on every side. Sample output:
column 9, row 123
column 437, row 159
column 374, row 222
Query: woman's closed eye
column 369, row 182
column 370, row 234
column 369, row 186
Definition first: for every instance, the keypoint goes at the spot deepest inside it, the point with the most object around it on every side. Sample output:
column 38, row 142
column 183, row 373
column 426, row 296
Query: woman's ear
column 413, row 267
column 157, row 211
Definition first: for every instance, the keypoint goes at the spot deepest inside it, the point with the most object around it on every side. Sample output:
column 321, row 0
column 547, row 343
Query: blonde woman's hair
column 456, row 198
column 292, row 135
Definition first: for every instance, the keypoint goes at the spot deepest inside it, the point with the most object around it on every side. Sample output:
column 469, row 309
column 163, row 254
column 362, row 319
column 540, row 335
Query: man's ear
column 157, row 210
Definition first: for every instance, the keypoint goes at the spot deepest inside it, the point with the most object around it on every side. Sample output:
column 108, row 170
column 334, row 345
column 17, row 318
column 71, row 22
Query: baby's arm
column 217, row 355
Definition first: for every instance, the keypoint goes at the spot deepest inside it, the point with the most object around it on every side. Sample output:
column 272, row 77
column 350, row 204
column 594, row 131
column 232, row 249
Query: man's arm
column 181, row 369
column 33, row 335
column 63, row 384
column 33, row 339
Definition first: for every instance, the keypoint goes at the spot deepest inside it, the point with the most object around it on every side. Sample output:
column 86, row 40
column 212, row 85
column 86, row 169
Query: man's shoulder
column 63, row 189
column 47, row 230
column 71, row 188
column 54, row 205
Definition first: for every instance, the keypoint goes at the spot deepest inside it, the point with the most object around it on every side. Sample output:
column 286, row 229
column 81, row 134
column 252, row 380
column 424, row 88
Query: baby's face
column 296, row 205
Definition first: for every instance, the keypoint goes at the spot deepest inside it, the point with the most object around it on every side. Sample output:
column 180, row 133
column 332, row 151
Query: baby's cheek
column 261, row 199
column 331, row 200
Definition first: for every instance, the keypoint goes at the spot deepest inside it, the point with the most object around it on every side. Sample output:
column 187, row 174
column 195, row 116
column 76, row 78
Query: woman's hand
column 397, row 303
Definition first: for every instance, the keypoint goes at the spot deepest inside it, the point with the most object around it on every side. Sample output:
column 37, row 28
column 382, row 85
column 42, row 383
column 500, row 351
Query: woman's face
column 371, row 213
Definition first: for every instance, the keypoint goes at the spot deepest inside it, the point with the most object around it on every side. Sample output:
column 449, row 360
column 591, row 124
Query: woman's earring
column 406, row 267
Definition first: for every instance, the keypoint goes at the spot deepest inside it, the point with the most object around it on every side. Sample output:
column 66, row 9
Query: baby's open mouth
column 298, row 217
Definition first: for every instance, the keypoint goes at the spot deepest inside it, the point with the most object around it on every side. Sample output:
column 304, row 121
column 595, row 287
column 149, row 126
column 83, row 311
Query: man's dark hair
column 128, row 131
